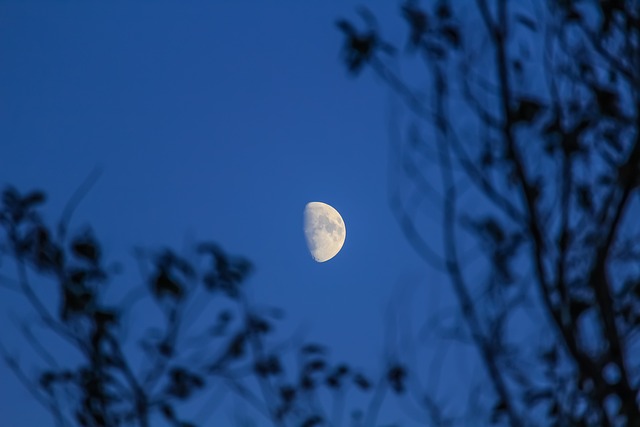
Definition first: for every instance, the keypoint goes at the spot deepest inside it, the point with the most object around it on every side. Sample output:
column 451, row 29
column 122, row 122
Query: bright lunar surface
column 324, row 230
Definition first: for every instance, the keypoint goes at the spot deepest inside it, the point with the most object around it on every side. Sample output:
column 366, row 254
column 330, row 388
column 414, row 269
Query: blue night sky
column 210, row 120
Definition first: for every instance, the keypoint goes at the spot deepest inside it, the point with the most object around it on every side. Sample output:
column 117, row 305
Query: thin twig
column 75, row 200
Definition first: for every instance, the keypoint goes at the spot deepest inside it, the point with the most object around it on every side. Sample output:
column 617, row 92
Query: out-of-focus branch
column 600, row 282
column 49, row 404
column 571, row 206
column 596, row 43
column 74, row 201
column 451, row 255
column 38, row 347
column 416, row 104
column 375, row 404
column 478, row 178
column 41, row 309
column 140, row 394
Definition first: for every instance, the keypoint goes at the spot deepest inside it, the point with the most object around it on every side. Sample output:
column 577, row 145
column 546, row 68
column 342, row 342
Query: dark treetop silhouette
column 527, row 136
column 92, row 382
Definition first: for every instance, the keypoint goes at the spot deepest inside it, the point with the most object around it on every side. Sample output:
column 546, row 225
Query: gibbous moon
column 324, row 230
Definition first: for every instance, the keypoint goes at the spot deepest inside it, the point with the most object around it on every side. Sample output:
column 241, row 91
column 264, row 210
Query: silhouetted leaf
column 15, row 206
column 164, row 285
column 236, row 346
column 346, row 27
column 396, row 375
column 82, row 419
column 183, row 383
column 498, row 411
column 609, row 9
column 337, row 374
column 165, row 348
column 312, row 349
column 227, row 273
column 527, row 110
column 577, row 306
column 443, row 11
column 258, row 325
column 550, row 356
column 104, row 317
column 333, row 381
column 636, row 289
column 33, row 198
column 451, row 35
column 526, row 21
column 86, row 247
column 572, row 15
column 306, row 382
column 287, row 393
column 359, row 47
column 342, row 369
column 608, row 102
column 491, row 230
column 418, row 23
column 75, row 301
column 517, row 66
column 586, row 70
column 268, row 366
column 78, row 276
column 42, row 250
column 362, row 382
column 585, row 199
column 167, row 411
column 47, row 379
column 85, row 276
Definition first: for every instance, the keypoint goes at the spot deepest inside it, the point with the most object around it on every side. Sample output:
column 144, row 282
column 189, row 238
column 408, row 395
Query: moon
column 324, row 230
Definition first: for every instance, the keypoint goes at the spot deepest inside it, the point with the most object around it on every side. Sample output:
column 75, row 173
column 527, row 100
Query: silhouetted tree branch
column 91, row 380
column 548, row 97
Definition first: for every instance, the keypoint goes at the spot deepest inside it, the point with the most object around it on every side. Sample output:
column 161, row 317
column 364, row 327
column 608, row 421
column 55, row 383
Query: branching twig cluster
column 550, row 113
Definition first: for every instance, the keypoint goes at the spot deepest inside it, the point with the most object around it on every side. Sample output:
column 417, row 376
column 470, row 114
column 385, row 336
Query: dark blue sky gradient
column 210, row 120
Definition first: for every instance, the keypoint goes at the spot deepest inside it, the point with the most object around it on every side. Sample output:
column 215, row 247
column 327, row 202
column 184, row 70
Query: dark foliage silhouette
column 526, row 136
column 89, row 379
